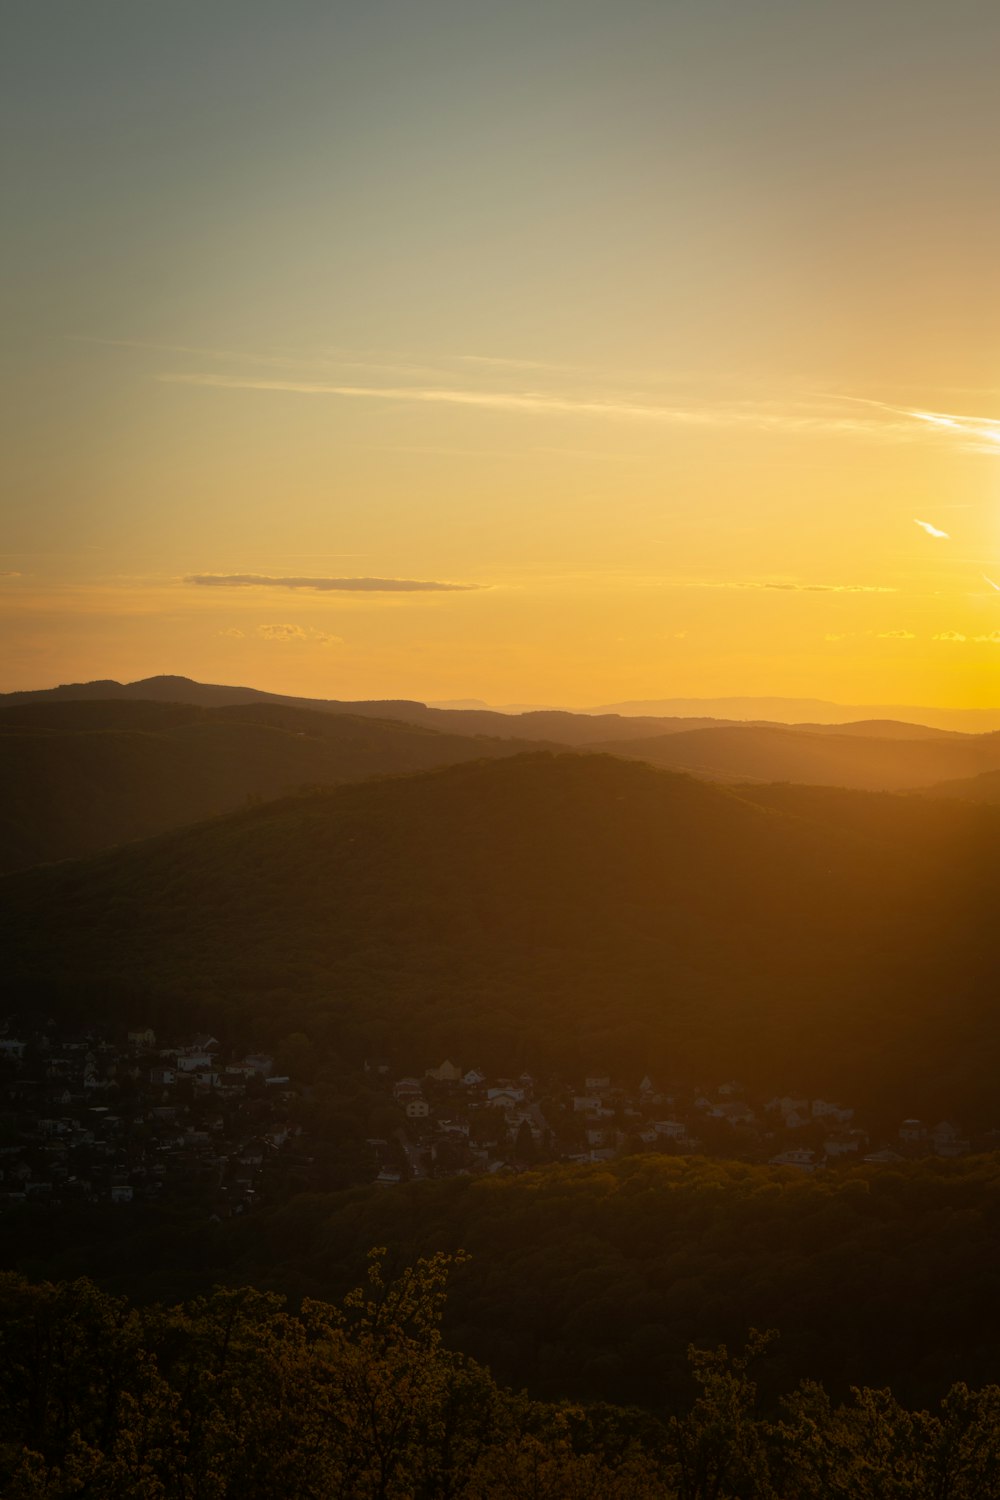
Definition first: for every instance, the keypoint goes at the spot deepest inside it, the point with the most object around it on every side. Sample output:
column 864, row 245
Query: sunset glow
column 633, row 338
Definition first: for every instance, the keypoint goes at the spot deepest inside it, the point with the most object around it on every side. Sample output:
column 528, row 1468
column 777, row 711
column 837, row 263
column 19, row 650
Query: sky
column 537, row 351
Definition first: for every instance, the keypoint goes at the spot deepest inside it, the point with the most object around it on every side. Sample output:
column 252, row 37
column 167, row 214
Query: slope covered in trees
column 79, row 776
column 982, row 788
column 589, row 1281
column 554, row 911
column 235, row 1395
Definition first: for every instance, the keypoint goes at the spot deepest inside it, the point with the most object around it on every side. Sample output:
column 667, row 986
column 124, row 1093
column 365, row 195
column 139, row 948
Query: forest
column 550, row 912
column 235, row 1394
column 589, row 1282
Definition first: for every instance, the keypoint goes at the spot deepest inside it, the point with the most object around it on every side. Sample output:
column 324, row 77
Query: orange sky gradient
column 658, row 328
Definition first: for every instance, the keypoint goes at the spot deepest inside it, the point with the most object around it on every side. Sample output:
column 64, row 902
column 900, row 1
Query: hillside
column 982, row 788
column 80, row 776
column 548, row 911
column 767, row 753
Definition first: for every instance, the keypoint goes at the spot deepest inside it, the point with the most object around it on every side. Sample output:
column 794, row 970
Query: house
column 787, row 1105
column 913, row 1132
column 671, row 1130
column 843, row 1144
column 448, row 1072
column 947, row 1140
column 735, row 1111
column 797, row 1156
column 417, row 1109
column 473, row 1079
column 121, row 1192
column 585, row 1104
column 144, row 1036
column 821, row 1110
column 260, row 1063
column 504, row 1098
column 193, row 1062
column 598, row 1082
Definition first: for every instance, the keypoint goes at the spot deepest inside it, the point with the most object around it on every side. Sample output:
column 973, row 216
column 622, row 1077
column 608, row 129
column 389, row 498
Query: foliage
column 233, row 1395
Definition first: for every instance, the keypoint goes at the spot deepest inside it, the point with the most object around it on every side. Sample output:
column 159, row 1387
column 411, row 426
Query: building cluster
column 464, row 1122
column 89, row 1120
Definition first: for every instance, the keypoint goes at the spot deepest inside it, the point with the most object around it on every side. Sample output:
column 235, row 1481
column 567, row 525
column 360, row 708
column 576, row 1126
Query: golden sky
column 641, row 336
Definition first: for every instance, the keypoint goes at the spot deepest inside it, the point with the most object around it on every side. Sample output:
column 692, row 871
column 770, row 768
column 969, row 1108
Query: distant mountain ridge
column 88, row 766
column 851, row 758
column 636, row 718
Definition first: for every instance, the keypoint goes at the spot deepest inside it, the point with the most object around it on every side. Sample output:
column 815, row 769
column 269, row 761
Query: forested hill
column 982, row 788
column 551, row 911
column 80, row 776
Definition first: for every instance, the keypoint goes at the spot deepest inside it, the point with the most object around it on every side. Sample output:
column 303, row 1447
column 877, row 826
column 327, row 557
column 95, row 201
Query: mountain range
column 86, row 767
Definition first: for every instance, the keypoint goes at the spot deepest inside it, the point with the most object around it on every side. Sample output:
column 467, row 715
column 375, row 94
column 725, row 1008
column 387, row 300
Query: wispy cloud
column 931, row 530
column 800, row 588
column 982, row 432
column 895, row 635
column 992, row 639
column 467, row 380
column 329, row 585
column 291, row 634
column 765, row 416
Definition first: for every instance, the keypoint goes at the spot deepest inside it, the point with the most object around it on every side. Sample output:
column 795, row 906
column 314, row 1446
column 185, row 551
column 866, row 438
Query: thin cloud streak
column 330, row 585
column 764, row 417
column 297, row 372
column 800, row 588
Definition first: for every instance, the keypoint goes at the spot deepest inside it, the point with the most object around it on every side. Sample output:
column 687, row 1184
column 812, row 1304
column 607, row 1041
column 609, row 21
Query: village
column 90, row 1118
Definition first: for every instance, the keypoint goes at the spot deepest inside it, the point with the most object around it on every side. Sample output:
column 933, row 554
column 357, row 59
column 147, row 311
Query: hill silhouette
column 982, row 788
column 554, row 911
column 765, row 753
column 79, row 776
column 561, row 725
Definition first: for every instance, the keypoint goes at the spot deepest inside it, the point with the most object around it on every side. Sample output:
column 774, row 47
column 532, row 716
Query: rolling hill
column 982, row 788
column 79, row 776
column 553, row 911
